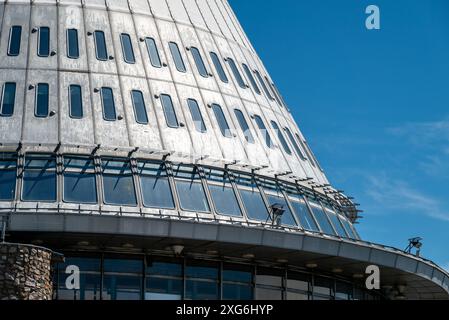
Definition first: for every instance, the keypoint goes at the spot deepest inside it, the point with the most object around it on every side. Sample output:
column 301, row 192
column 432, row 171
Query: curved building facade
column 146, row 141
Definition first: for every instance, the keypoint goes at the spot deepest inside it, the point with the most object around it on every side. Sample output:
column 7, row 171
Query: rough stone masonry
column 25, row 272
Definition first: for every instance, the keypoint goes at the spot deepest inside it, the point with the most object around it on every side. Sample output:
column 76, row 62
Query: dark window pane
column 201, row 290
column 199, row 62
column 251, row 78
column 127, row 48
column 89, row 287
column 156, row 191
column 39, row 179
column 268, row 294
column 140, row 111
column 201, row 270
column 153, row 53
column 72, row 44
column 196, row 115
column 237, row 75
column 76, row 102
column 100, row 46
column 281, row 138
column 237, row 292
column 295, row 144
column 171, row 268
column 163, row 289
column 79, row 180
column 177, row 58
column 322, row 219
column 118, row 183
column 41, row 108
column 244, row 126
column 169, row 111
column 275, row 94
column 8, row 175
column 264, row 86
column 219, row 67
column 221, row 119
column 254, row 205
column 122, row 287
column 43, row 49
column 322, row 286
column 264, row 131
column 15, row 35
column 123, row 266
column 304, row 216
column 7, row 99
column 192, row 196
column 237, row 273
column 276, row 90
column 224, row 200
column 107, row 98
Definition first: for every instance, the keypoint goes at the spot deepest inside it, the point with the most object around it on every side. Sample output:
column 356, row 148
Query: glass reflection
column 118, row 184
column 39, row 178
column 156, row 191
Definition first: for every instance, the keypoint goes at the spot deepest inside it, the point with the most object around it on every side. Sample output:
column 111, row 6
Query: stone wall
column 25, row 272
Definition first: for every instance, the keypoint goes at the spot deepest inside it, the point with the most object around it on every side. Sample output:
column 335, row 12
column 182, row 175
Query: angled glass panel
column 79, row 180
column 155, row 185
column 73, row 51
column 222, row 193
column 76, row 102
column 43, row 47
column 264, row 131
column 118, row 183
column 197, row 118
column 8, row 176
column 177, row 58
column 251, row 197
column 101, row 50
column 237, row 75
column 7, row 99
column 322, row 218
column 222, row 122
column 337, row 224
column 39, row 178
column 127, row 48
column 107, row 99
column 169, row 111
column 140, row 110
column 153, row 52
column 304, row 216
column 191, row 194
column 15, row 35
column 275, row 92
column 270, row 87
column 275, row 197
column 251, row 78
column 219, row 67
column 42, row 100
column 244, row 126
column 281, row 138
column 264, row 86
column 199, row 62
column 295, row 144
column 349, row 228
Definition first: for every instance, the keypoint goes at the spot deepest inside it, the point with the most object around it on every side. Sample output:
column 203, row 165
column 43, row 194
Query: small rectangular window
column 107, row 99
column 79, row 180
column 15, row 35
column 196, row 115
column 264, row 86
column 278, row 94
column 100, row 46
column 7, row 99
column 72, row 44
column 177, row 58
column 43, row 47
column 8, row 176
column 244, row 126
column 199, row 62
column 295, row 144
column 219, row 67
column 251, row 78
column 140, row 111
column 127, row 48
column 169, row 111
column 237, row 75
column 270, row 86
column 39, row 178
column 281, row 138
column 42, row 100
column 75, row 102
column 221, row 119
column 264, row 131
column 153, row 53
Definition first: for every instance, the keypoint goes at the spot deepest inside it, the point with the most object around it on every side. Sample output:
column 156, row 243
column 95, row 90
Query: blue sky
column 374, row 105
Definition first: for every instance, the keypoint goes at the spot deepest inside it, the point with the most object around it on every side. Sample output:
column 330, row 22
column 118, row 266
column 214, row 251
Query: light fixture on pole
column 414, row 243
column 276, row 212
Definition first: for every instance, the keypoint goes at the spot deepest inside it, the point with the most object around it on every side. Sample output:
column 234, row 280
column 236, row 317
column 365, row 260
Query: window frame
column 219, row 67
column 10, row 41
column 81, row 101
column 172, row 107
column 13, row 158
column 249, row 75
column 156, row 51
column 36, row 114
column 177, row 57
column 267, row 137
column 281, row 137
column 39, row 156
column 2, row 98
column 100, row 32
column 199, row 62
column 264, row 86
column 125, row 39
column 225, row 131
column 39, row 35
column 249, row 137
column 237, row 74
column 68, row 43
column 105, row 118
column 130, row 174
column 253, row 187
column 203, row 128
column 72, row 170
column 147, row 121
column 295, row 144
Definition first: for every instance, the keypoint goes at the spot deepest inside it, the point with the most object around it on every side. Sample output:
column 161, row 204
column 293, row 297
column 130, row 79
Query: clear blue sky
column 374, row 105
